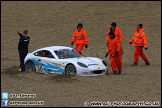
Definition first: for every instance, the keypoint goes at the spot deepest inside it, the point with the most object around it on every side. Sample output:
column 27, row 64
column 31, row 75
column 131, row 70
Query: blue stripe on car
column 49, row 67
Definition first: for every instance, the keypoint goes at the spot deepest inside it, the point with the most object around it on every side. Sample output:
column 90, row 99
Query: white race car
column 64, row 60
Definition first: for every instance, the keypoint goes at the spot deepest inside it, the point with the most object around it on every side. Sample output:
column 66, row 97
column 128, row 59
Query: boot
column 119, row 72
column 20, row 70
column 147, row 63
column 114, row 73
column 134, row 64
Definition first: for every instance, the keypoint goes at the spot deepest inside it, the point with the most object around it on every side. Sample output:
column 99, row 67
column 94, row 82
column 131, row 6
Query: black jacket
column 23, row 43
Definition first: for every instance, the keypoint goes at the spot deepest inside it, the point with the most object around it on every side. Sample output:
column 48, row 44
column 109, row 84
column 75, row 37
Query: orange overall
column 118, row 34
column 80, row 38
column 140, row 41
column 116, row 61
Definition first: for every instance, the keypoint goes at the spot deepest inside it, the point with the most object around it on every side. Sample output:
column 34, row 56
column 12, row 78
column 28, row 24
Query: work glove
column 116, row 53
column 86, row 46
column 72, row 43
column 130, row 43
column 106, row 55
column 146, row 48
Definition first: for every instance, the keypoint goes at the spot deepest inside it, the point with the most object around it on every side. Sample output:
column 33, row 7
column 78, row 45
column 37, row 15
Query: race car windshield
column 66, row 53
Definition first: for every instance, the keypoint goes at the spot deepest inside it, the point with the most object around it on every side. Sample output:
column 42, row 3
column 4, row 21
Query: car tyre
column 70, row 69
column 30, row 67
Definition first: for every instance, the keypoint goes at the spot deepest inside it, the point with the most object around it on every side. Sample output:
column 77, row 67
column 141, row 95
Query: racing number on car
column 39, row 68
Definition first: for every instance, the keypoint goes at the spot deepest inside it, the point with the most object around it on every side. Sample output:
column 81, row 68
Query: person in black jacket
column 23, row 48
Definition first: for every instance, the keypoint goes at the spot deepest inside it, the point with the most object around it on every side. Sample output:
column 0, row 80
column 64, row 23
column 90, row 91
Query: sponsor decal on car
column 92, row 64
column 85, row 72
column 62, row 66
column 44, row 62
column 54, row 64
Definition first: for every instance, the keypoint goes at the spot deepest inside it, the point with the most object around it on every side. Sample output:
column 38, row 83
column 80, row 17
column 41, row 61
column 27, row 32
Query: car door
column 46, row 62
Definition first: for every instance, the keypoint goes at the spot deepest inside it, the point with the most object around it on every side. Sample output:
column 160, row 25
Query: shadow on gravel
column 63, row 78
column 13, row 70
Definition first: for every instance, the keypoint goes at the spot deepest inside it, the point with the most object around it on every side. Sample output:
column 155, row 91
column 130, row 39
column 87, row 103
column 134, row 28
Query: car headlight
column 104, row 63
column 82, row 65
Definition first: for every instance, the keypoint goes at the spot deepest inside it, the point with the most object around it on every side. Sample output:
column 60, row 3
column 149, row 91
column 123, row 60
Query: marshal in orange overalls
column 115, row 45
column 118, row 34
column 80, row 38
column 140, row 40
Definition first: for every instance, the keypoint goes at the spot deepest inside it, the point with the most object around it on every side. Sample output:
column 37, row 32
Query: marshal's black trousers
column 22, row 58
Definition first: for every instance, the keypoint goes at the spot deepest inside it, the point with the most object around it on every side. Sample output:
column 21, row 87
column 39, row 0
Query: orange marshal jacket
column 140, row 38
column 115, row 45
column 118, row 33
column 80, row 37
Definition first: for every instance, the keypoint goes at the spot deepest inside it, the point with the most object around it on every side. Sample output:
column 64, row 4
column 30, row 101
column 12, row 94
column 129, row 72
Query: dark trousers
column 22, row 57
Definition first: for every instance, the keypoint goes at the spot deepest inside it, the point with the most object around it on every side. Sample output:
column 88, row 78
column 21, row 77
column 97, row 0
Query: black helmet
column 80, row 25
column 114, row 24
column 140, row 25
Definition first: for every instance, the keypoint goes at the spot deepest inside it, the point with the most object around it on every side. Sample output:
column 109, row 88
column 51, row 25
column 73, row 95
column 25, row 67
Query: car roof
column 52, row 48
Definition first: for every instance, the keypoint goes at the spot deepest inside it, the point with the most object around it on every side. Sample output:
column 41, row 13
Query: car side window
column 38, row 53
column 44, row 53
column 56, row 52
column 49, row 54
column 60, row 54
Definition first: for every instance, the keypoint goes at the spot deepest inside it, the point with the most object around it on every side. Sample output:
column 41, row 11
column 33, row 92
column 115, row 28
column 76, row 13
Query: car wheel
column 30, row 67
column 70, row 69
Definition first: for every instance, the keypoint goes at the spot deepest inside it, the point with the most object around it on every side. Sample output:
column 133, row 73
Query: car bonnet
column 87, row 61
